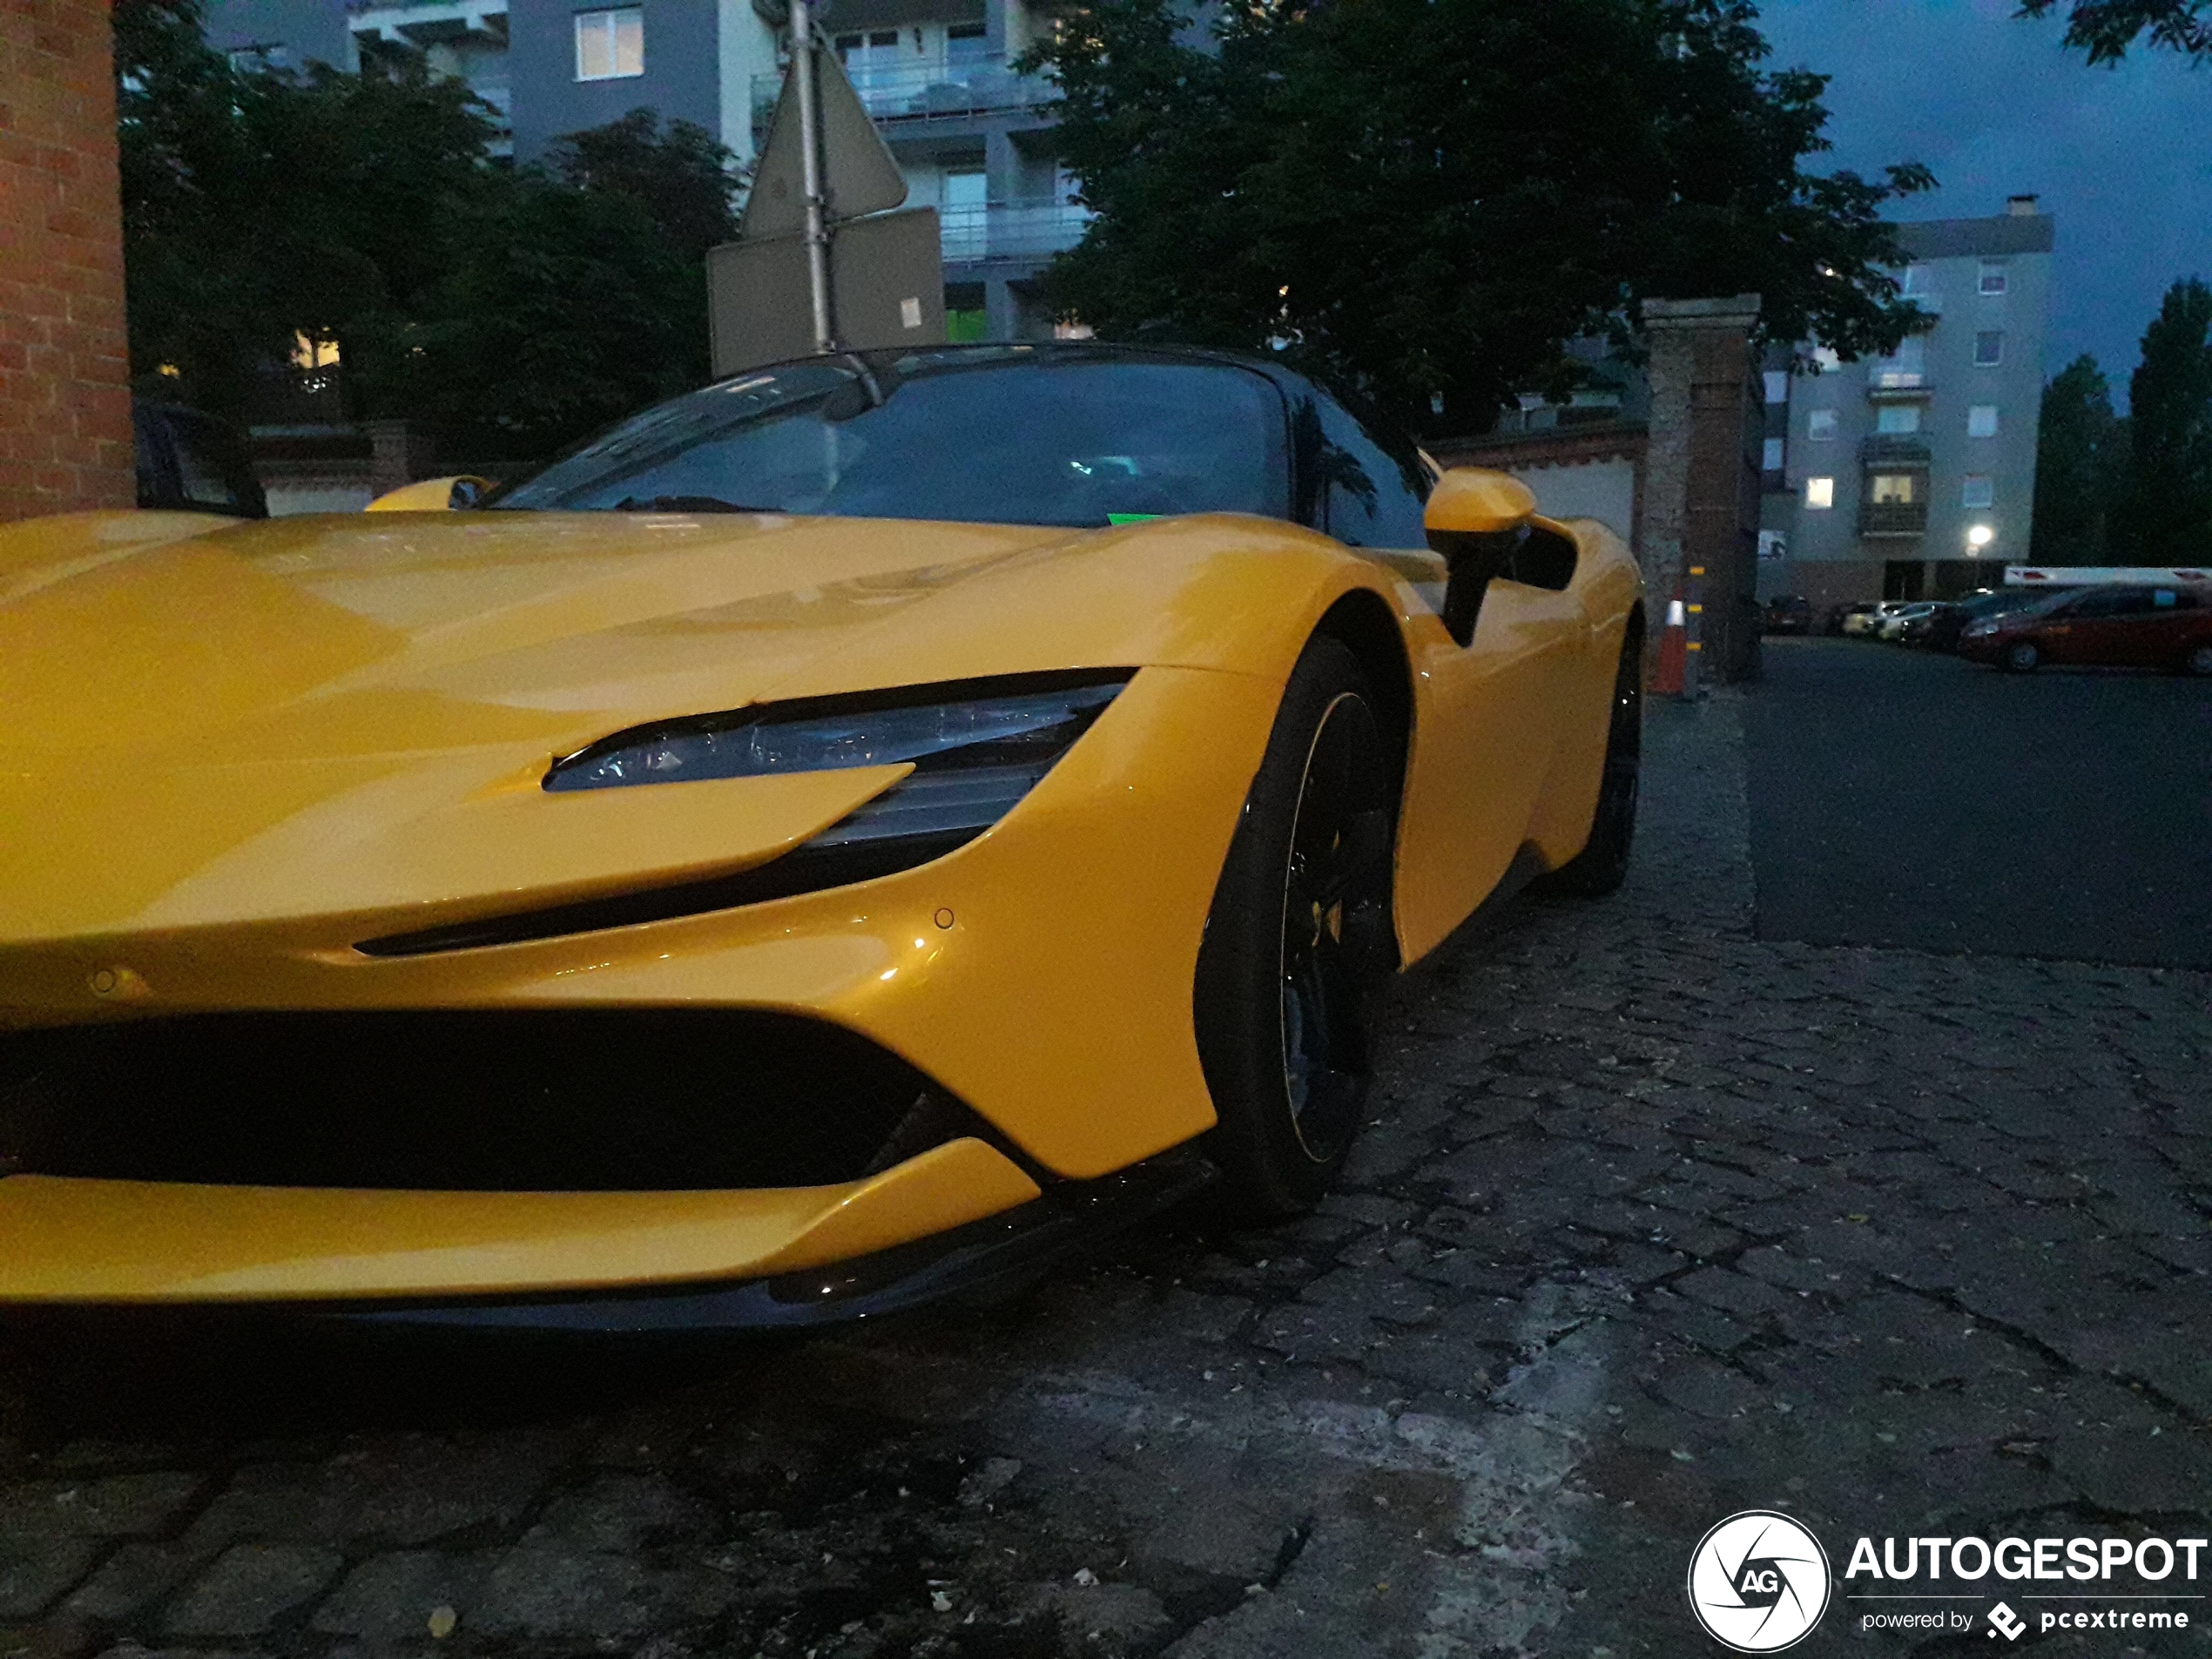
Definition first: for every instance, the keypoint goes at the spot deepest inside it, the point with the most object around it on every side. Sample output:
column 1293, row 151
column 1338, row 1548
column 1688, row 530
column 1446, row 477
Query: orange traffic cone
column 1674, row 651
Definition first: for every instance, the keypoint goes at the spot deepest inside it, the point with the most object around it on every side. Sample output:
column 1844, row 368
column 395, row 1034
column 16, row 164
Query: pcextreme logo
column 1758, row 1581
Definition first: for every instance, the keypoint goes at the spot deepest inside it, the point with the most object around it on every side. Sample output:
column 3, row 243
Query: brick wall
column 64, row 368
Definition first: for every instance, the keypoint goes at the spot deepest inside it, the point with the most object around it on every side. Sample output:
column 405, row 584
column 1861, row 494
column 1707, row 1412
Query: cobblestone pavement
column 1655, row 1222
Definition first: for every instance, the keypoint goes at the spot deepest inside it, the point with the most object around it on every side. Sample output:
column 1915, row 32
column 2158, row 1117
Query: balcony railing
column 1892, row 519
column 1894, row 448
column 926, row 89
column 1009, row 230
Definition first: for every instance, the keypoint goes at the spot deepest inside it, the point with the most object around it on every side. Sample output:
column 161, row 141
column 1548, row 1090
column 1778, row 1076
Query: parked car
column 191, row 462
column 1941, row 630
column 764, row 845
column 1865, row 619
column 2135, row 627
column 1891, row 625
column 1789, row 613
column 1839, row 615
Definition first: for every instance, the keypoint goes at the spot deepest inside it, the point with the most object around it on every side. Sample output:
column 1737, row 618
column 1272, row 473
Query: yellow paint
column 1476, row 501
column 148, row 1241
column 424, row 496
column 236, row 750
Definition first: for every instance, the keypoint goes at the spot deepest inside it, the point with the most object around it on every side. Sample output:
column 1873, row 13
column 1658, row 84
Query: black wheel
column 1299, row 936
column 2198, row 662
column 1603, row 864
column 2021, row 657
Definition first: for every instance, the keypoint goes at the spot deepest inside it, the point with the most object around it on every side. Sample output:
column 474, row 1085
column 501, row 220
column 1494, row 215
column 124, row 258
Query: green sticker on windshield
column 1131, row 518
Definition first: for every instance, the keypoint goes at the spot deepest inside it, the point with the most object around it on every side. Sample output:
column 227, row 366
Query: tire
column 2021, row 657
column 1299, row 936
column 1603, row 864
column 2198, row 662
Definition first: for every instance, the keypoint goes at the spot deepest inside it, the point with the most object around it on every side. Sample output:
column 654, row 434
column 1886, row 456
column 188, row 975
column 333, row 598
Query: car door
column 1488, row 712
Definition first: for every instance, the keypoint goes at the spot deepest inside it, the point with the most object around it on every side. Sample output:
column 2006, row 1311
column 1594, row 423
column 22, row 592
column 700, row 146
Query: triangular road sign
column 858, row 172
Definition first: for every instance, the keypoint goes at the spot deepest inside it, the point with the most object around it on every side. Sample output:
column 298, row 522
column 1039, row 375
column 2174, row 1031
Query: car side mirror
column 1475, row 518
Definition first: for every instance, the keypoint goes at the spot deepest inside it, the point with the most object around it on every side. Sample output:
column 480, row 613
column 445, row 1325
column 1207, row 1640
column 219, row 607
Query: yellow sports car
column 841, row 836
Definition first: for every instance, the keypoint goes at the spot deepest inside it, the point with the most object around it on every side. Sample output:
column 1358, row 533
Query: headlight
column 977, row 747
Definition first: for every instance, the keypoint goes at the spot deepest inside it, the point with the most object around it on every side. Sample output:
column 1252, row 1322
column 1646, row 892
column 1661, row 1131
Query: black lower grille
column 604, row 1101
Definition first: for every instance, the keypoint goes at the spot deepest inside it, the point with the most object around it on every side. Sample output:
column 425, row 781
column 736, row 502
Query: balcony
column 1892, row 519
column 418, row 23
column 928, row 89
column 1009, row 230
column 1894, row 449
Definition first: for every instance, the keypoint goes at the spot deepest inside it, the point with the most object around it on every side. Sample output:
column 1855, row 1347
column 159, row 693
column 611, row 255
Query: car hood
column 223, row 723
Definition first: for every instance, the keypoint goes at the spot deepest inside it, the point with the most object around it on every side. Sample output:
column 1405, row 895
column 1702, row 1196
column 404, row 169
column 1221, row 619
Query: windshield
column 998, row 436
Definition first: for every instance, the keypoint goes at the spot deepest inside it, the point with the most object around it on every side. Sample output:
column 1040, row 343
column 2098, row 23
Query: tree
column 2106, row 28
column 2081, row 467
column 684, row 178
column 510, row 309
column 2165, row 517
column 1421, row 200
column 257, row 207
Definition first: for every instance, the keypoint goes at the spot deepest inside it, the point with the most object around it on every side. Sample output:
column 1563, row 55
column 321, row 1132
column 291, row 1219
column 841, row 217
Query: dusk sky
column 2123, row 158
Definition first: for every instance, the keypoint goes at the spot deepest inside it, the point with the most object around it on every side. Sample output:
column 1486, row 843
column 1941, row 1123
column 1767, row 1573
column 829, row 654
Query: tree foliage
column 2166, row 516
column 2081, row 467
column 513, row 309
column 1417, row 198
column 2106, row 28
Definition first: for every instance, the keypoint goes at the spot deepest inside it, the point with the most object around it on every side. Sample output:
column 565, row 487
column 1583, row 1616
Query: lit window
column 1820, row 493
column 1770, row 455
column 1981, row 420
column 1777, row 385
column 1821, row 423
column 1979, row 491
column 1898, row 418
column 609, row 45
column 1989, row 348
column 1992, row 277
column 1892, row 490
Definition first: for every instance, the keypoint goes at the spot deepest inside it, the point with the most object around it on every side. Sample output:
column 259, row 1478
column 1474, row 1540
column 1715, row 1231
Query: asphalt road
column 1908, row 800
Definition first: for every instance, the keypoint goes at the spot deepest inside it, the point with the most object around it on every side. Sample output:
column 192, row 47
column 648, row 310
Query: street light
column 1978, row 538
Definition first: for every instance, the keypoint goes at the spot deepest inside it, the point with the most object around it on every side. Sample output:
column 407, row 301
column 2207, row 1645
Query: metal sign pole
column 805, row 45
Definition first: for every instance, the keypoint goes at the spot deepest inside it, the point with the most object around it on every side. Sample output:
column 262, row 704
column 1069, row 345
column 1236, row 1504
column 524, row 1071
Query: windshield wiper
column 685, row 504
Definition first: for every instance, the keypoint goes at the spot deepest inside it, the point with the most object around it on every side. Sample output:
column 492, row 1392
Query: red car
column 2133, row 627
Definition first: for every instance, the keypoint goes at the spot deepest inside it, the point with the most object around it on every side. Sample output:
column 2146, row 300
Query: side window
column 1367, row 500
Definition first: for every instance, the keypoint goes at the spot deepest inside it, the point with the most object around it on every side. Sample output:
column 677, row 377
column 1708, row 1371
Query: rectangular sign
column 2098, row 576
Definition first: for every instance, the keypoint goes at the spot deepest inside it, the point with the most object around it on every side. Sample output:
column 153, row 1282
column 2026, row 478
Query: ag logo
column 1758, row 1581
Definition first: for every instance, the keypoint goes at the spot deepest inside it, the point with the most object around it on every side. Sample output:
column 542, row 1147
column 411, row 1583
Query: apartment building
column 970, row 132
column 1914, row 475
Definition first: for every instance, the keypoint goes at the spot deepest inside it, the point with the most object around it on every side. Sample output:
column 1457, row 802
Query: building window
column 1989, row 348
column 1820, row 493
column 1981, row 420
column 1824, row 359
column 1917, row 284
column 1993, row 276
column 1777, row 385
column 609, row 45
column 1905, row 366
column 1892, row 490
column 1898, row 418
column 1770, row 455
column 1981, row 490
column 1820, row 424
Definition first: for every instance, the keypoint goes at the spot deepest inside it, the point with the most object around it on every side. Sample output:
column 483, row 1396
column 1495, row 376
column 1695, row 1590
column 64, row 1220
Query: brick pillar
column 64, row 358
column 1701, row 481
column 397, row 456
